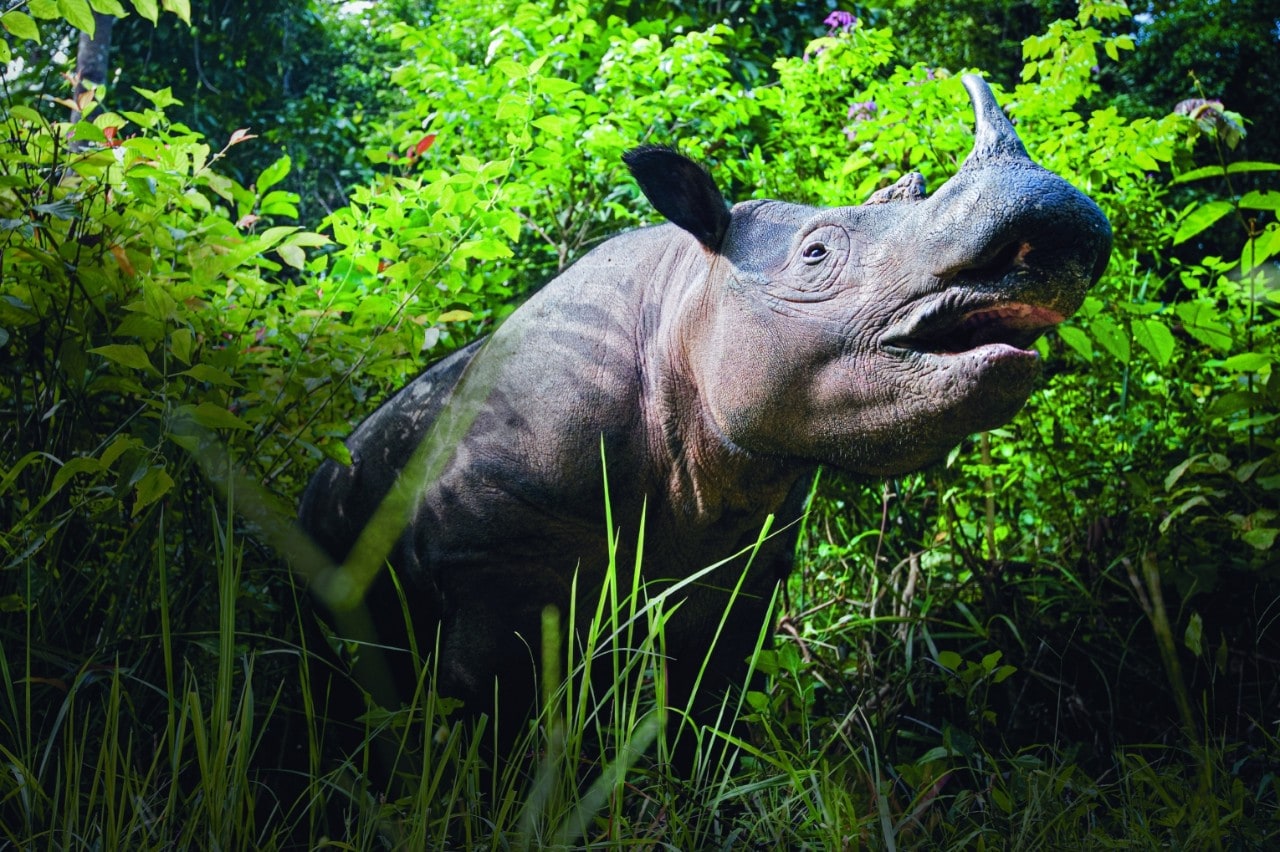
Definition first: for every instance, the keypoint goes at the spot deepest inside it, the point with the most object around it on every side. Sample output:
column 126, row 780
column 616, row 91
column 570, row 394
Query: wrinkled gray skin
column 721, row 357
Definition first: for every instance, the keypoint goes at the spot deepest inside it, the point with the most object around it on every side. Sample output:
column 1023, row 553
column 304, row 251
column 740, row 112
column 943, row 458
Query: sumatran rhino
column 714, row 362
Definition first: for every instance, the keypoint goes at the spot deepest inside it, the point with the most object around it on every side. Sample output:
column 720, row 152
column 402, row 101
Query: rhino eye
column 814, row 252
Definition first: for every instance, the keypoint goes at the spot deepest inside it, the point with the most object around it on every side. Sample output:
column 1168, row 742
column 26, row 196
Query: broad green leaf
column 181, row 8
column 1245, row 362
column 950, row 660
column 485, row 249
column 1111, row 337
column 212, row 375
column 217, row 417
column 1261, row 199
column 45, row 10
column 292, row 255
column 455, row 316
column 1201, row 321
column 1262, row 538
column 509, row 68
column 154, row 484
column 1201, row 217
column 308, row 239
column 1181, row 509
column 25, row 113
column 1154, row 336
column 180, row 344
column 271, row 236
column 117, row 448
column 147, row 9
column 274, row 173
column 127, row 355
column 160, row 98
column 86, row 131
column 5, row 55
column 108, row 7
column 20, row 25
column 78, row 14
column 80, row 464
column 1258, row 250
column 1192, row 638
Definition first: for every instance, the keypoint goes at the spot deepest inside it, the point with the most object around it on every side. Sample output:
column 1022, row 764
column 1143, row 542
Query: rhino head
column 876, row 337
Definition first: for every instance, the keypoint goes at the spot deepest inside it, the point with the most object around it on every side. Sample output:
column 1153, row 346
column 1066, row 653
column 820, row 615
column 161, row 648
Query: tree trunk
column 92, row 58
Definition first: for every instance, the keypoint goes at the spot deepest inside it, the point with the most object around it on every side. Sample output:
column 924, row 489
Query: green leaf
column 274, row 173
column 1111, row 337
column 950, row 660
column 1260, row 249
column 292, row 255
column 337, row 451
column 147, row 9
column 86, row 131
column 1182, row 508
column 154, row 484
column 1252, row 166
column 78, row 14
column 127, row 355
column 108, row 7
column 1245, row 362
column 1200, row 319
column 181, row 8
column 1261, row 199
column 1262, row 538
column 217, row 417
column 80, row 464
column 160, row 98
column 25, row 113
column 212, row 375
column 1198, row 174
column 484, row 249
column 1193, row 636
column 509, row 68
column 180, row 344
column 1200, row 217
column 20, row 25
column 1154, row 336
column 45, row 10
column 1171, row 479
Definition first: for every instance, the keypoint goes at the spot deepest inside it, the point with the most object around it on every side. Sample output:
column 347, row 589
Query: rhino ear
column 681, row 190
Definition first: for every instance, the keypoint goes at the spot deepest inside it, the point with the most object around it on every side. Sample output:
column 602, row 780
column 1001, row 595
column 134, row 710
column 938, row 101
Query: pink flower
column 840, row 21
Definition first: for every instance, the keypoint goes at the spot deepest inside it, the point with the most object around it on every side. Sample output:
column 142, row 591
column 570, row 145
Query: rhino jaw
column 990, row 330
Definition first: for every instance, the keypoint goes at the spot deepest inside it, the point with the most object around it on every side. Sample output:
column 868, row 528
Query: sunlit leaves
column 20, row 25
column 1198, row 217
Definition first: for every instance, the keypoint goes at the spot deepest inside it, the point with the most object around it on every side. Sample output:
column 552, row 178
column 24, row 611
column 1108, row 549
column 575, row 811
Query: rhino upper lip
column 951, row 332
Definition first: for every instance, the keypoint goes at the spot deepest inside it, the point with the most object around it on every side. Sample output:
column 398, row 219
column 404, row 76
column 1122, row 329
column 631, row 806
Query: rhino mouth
column 1014, row 326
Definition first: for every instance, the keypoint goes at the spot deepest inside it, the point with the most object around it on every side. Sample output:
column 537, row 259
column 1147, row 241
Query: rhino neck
column 706, row 478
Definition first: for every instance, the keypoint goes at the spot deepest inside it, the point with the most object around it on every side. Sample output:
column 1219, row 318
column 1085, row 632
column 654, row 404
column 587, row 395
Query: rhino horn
column 994, row 137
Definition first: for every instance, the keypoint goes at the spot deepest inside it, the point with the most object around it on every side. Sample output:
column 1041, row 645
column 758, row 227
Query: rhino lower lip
column 1013, row 325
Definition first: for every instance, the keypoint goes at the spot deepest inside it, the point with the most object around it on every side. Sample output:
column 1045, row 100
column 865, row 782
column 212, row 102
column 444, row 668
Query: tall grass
column 174, row 740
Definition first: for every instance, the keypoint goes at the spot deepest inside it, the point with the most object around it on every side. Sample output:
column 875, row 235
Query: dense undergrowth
column 1066, row 636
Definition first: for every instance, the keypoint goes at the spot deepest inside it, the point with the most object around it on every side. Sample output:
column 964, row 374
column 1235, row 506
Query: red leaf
column 423, row 145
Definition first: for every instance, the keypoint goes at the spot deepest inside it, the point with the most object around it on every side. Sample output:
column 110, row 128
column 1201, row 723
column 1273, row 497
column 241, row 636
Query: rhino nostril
column 1009, row 257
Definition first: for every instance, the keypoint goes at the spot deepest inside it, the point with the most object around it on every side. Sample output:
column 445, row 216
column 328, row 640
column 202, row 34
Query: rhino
column 714, row 362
